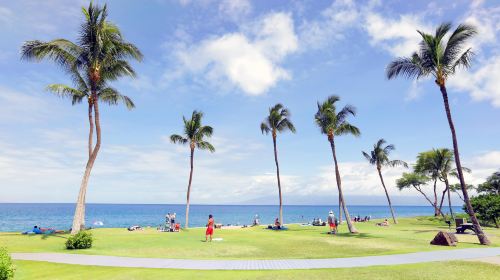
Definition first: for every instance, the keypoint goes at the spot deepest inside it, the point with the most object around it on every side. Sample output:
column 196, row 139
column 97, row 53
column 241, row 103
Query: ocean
column 23, row 216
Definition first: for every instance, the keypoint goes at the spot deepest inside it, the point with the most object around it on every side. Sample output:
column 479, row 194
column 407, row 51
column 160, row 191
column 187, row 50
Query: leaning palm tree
column 100, row 55
column 332, row 124
column 440, row 57
column 430, row 163
column 379, row 157
column 457, row 188
column 194, row 135
column 277, row 121
column 416, row 181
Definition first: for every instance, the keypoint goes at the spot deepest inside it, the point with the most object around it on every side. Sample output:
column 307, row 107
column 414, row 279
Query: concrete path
column 80, row 259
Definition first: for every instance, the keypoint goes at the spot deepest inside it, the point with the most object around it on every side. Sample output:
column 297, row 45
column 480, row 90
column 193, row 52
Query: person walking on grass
column 210, row 228
column 331, row 222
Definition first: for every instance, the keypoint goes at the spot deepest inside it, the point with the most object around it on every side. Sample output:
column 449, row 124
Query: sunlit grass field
column 410, row 235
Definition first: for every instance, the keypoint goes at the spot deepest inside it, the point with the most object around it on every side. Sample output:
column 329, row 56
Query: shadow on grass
column 361, row 235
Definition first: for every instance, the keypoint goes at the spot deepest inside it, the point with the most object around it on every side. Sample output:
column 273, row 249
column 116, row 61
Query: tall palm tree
column 441, row 58
column 379, row 157
column 105, row 93
column 276, row 122
column 194, row 135
column 100, row 55
column 332, row 124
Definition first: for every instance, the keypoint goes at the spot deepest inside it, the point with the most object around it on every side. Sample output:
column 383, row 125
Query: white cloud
column 249, row 60
column 482, row 82
column 22, row 107
column 397, row 36
column 319, row 33
column 235, row 9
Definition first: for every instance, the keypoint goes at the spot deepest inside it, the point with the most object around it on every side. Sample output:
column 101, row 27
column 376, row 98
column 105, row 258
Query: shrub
column 487, row 207
column 81, row 240
column 6, row 266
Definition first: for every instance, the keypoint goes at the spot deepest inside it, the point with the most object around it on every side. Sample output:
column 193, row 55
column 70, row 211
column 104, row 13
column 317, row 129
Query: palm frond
column 264, row 128
column 397, row 162
column 177, row 139
column 66, row 91
column 203, row 145
column 406, row 67
column 456, row 42
column 347, row 128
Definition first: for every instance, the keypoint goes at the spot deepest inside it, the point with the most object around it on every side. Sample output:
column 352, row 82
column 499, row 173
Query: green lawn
column 434, row 270
column 410, row 235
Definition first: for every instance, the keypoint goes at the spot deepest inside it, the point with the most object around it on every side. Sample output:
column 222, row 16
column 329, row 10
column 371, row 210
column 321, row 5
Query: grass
column 410, row 235
column 434, row 270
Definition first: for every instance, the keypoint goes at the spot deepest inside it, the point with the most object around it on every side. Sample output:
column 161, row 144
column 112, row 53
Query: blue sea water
column 22, row 216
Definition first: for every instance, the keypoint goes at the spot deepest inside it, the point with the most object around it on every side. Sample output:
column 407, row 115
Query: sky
column 233, row 60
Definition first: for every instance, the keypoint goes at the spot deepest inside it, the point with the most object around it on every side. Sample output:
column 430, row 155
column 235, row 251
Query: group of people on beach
column 359, row 219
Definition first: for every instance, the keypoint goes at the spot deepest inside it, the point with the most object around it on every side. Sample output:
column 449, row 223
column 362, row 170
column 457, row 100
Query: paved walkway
column 81, row 259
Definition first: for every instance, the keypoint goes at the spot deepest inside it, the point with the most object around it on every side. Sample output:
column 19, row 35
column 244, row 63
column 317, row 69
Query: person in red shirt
column 210, row 228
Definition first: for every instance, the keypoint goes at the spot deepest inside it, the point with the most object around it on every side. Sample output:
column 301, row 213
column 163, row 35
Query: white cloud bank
column 249, row 60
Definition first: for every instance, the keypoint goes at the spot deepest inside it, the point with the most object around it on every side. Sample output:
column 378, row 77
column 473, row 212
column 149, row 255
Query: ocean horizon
column 23, row 216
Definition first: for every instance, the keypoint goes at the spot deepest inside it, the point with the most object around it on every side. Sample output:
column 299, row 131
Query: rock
column 445, row 239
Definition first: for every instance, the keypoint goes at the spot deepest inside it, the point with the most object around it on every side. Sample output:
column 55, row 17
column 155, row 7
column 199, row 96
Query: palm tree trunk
column 436, row 210
column 449, row 199
column 91, row 129
column 79, row 217
column 483, row 239
column 351, row 227
column 278, row 176
column 189, row 187
column 90, row 147
column 387, row 195
column 426, row 197
column 442, row 197
column 340, row 210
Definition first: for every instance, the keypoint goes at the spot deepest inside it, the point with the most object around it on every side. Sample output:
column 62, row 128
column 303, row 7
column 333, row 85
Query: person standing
column 172, row 219
column 331, row 222
column 210, row 228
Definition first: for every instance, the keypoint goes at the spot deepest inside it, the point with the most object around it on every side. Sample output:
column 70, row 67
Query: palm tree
column 332, row 124
column 194, row 135
column 100, row 55
column 430, row 164
column 414, row 180
column 379, row 157
column 105, row 94
column 457, row 188
column 276, row 122
column 441, row 58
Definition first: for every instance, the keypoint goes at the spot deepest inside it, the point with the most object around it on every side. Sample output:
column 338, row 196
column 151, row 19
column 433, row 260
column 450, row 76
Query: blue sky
column 233, row 60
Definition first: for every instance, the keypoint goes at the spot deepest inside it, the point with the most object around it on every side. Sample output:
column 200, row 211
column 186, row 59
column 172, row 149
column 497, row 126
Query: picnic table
column 465, row 226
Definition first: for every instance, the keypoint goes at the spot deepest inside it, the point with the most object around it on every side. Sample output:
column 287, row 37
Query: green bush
column 6, row 266
column 81, row 240
column 487, row 207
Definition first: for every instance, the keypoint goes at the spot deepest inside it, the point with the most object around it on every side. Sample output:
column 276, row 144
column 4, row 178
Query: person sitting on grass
column 385, row 223
column 210, row 228
column 277, row 224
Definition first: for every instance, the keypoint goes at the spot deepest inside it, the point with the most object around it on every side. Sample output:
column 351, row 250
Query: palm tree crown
column 379, row 156
column 437, row 56
column 100, row 54
column 277, row 121
column 332, row 123
column 413, row 179
column 194, row 133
